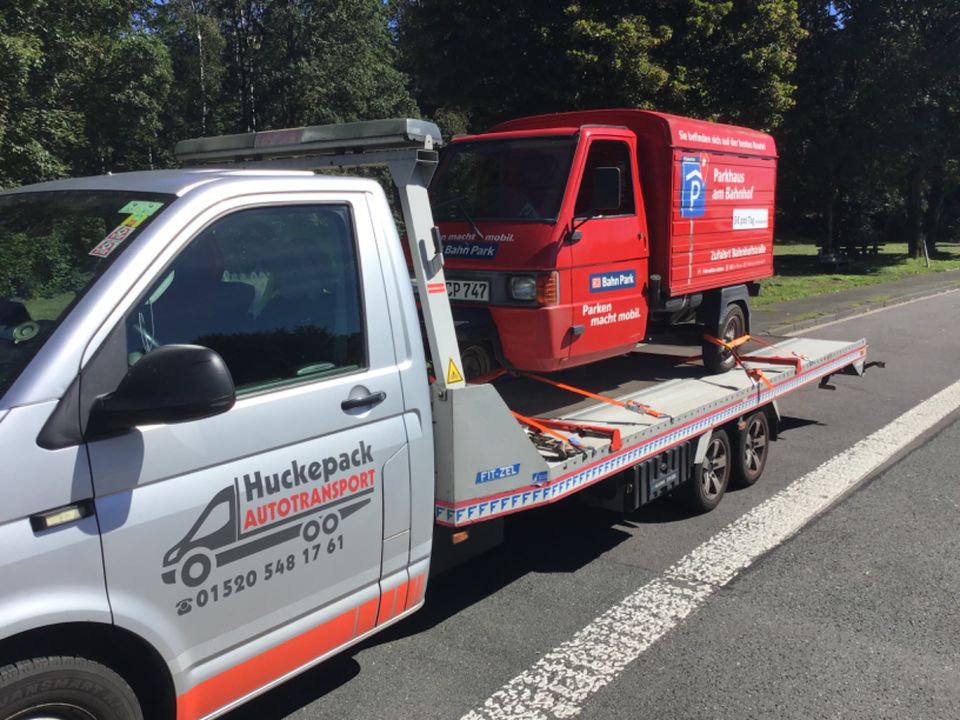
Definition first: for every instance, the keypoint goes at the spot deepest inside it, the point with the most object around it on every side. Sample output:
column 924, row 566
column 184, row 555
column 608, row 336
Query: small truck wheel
column 732, row 325
column 65, row 688
column 477, row 361
column 753, row 446
column 704, row 491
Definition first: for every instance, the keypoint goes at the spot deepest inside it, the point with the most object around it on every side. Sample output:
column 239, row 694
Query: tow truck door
column 250, row 544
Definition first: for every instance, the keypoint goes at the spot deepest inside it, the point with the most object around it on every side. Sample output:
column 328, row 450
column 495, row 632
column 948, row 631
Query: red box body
column 697, row 209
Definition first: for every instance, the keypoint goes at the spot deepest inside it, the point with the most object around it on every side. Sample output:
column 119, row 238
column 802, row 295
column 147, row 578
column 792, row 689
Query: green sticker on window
column 140, row 208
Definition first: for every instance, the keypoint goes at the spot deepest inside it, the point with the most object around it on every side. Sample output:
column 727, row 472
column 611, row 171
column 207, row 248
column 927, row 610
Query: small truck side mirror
column 171, row 384
column 607, row 190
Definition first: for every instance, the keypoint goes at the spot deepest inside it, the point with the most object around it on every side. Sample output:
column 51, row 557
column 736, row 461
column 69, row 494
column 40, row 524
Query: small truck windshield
column 505, row 180
column 53, row 246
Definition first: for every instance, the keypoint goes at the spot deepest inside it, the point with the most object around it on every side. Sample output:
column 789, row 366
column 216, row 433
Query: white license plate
column 472, row 290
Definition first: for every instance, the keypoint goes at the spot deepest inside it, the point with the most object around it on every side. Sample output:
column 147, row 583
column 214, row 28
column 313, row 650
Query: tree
column 872, row 139
column 65, row 63
column 717, row 59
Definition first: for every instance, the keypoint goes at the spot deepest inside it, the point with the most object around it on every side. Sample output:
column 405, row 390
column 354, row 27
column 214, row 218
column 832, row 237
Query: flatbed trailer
column 689, row 406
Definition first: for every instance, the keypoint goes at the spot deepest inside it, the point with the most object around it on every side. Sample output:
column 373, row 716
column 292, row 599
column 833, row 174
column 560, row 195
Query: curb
column 846, row 313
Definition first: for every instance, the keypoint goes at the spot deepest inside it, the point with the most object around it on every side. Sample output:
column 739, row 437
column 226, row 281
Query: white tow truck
column 227, row 456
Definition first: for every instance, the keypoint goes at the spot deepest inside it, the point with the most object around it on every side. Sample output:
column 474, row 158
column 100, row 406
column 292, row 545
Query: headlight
column 523, row 287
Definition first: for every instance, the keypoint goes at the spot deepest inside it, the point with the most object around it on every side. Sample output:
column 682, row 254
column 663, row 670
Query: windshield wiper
column 457, row 202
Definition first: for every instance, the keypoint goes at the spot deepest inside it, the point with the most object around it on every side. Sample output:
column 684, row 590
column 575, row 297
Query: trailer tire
column 732, row 325
column 705, row 489
column 65, row 688
column 753, row 448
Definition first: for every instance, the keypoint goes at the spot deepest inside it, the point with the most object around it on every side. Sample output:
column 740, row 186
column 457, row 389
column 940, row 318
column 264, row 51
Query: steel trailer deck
column 692, row 403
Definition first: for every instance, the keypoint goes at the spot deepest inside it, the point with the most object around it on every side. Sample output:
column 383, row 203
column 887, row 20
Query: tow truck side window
column 274, row 290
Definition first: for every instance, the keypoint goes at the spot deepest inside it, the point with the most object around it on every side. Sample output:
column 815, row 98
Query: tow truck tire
column 705, row 489
column 65, row 688
column 731, row 326
column 753, row 447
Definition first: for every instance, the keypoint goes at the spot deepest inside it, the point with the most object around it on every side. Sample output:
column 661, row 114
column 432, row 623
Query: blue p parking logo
column 693, row 189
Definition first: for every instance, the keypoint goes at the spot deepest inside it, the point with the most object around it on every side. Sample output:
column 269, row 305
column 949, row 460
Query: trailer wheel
column 65, row 688
column 705, row 490
column 731, row 326
column 753, row 446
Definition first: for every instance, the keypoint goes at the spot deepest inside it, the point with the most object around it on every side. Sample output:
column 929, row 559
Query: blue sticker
column 479, row 250
column 693, row 189
column 485, row 476
column 539, row 478
column 617, row 280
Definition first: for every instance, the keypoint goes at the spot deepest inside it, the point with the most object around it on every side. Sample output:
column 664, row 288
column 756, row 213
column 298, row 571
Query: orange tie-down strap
column 754, row 374
column 583, row 430
column 541, row 427
column 633, row 405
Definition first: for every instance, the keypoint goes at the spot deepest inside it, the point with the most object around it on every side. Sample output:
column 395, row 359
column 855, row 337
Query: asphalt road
column 855, row 616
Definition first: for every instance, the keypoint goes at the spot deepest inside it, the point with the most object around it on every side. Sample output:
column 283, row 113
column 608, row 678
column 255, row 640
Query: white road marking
column 559, row 683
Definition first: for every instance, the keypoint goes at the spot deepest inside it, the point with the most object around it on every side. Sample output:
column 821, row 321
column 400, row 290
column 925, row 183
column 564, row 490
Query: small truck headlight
column 523, row 287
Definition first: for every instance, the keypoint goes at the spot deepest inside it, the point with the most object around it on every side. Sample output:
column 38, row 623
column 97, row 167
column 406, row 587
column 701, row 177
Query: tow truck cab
column 565, row 235
column 206, row 520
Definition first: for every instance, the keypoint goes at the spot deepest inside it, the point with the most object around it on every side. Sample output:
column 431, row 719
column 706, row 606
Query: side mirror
column 171, row 384
column 607, row 190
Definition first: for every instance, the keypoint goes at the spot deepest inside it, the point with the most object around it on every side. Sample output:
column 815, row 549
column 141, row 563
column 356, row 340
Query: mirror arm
column 575, row 235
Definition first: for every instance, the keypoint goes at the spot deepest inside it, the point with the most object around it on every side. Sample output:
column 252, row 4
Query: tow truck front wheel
column 65, row 688
column 705, row 489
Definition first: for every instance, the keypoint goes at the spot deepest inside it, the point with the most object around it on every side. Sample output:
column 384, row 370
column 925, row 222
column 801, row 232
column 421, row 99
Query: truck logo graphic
column 212, row 542
column 693, row 189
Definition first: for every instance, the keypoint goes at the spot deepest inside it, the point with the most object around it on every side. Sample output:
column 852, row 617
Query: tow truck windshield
column 53, row 246
column 503, row 180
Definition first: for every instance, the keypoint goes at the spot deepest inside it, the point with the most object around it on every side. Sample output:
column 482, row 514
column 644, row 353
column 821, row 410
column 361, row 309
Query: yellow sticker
column 133, row 221
column 453, row 374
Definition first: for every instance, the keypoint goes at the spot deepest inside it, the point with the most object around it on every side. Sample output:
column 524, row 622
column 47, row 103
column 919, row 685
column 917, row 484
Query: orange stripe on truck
column 256, row 672
column 386, row 606
column 367, row 616
column 253, row 674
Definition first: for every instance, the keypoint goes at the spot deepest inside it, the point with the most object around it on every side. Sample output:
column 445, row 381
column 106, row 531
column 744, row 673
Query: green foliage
column 726, row 60
column 44, row 259
column 863, row 95
column 871, row 145
column 80, row 91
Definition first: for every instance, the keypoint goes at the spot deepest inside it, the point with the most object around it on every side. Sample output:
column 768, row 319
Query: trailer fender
column 773, row 415
column 702, row 443
column 715, row 302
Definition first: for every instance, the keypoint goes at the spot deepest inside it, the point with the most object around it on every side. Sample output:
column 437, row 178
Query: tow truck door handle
column 364, row 401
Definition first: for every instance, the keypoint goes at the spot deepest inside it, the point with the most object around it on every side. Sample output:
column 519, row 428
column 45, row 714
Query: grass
column 799, row 273
column 51, row 308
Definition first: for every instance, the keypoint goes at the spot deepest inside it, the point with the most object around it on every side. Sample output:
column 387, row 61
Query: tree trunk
column 203, row 73
column 934, row 208
column 915, row 214
column 830, row 221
